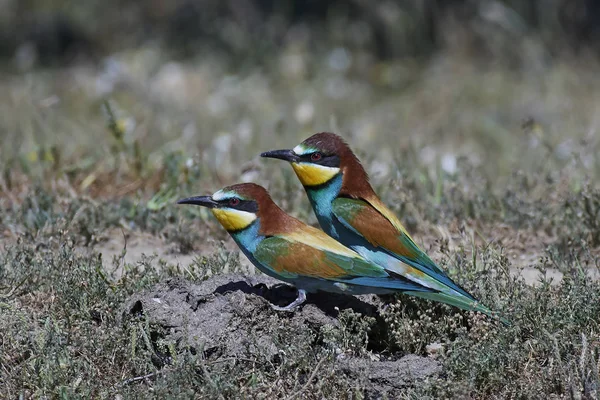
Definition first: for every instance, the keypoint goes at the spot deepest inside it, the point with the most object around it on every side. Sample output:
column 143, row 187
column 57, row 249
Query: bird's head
column 322, row 157
column 235, row 207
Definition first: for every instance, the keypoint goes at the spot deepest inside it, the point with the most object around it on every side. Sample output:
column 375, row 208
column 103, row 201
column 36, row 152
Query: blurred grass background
column 448, row 79
column 477, row 121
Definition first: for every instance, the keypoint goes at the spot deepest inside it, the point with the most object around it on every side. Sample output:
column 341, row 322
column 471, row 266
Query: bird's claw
column 294, row 304
column 286, row 308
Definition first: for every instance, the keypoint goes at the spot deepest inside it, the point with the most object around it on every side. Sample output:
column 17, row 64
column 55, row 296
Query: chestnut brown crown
column 355, row 181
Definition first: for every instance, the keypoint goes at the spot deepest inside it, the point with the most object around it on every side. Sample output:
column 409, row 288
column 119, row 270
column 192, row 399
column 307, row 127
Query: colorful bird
column 349, row 211
column 287, row 249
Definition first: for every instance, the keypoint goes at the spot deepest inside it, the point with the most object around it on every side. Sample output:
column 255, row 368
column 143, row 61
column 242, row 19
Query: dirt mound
column 230, row 316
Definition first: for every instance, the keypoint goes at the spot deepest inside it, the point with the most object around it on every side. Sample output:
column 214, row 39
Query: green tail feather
column 462, row 303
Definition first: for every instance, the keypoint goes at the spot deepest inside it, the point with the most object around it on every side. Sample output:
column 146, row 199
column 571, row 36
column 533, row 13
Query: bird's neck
column 249, row 238
column 321, row 198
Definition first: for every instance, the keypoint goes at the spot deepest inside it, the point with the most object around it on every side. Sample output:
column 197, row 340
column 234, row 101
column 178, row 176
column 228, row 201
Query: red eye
column 316, row 156
column 234, row 201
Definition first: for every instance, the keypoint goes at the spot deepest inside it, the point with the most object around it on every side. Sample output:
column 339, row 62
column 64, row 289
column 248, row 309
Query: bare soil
column 229, row 317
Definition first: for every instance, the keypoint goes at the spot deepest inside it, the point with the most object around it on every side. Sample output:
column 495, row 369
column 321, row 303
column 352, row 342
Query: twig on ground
column 142, row 378
column 310, row 378
column 13, row 289
column 220, row 360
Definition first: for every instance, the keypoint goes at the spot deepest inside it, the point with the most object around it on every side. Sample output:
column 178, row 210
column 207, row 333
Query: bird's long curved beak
column 204, row 201
column 287, row 155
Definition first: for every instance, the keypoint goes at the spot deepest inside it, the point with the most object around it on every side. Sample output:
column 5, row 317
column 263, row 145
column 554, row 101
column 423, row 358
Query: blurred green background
column 61, row 30
column 489, row 80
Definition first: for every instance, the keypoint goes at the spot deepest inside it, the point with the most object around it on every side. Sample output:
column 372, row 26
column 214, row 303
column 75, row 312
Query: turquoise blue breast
column 321, row 199
column 249, row 238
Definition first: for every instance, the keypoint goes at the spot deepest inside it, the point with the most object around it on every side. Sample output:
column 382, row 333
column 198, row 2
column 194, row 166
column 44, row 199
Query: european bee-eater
column 349, row 211
column 287, row 249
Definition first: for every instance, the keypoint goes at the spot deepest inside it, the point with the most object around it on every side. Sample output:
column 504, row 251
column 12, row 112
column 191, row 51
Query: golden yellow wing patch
column 320, row 240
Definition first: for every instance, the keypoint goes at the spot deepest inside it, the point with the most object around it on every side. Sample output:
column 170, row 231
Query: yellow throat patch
column 313, row 174
column 233, row 220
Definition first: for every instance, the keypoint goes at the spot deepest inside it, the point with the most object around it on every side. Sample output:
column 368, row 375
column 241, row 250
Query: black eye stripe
column 326, row 160
column 243, row 205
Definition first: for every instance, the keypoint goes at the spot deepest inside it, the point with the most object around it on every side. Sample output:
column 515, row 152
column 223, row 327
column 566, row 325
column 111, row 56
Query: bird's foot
column 292, row 306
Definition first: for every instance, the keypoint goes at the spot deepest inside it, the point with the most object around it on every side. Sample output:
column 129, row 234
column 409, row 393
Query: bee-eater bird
column 288, row 249
column 349, row 211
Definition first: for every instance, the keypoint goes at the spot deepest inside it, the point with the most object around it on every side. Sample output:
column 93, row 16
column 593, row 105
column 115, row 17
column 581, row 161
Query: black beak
column 286, row 155
column 204, row 201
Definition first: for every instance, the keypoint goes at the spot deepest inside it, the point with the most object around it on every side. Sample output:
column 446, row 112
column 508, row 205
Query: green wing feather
column 291, row 259
column 368, row 222
column 377, row 229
